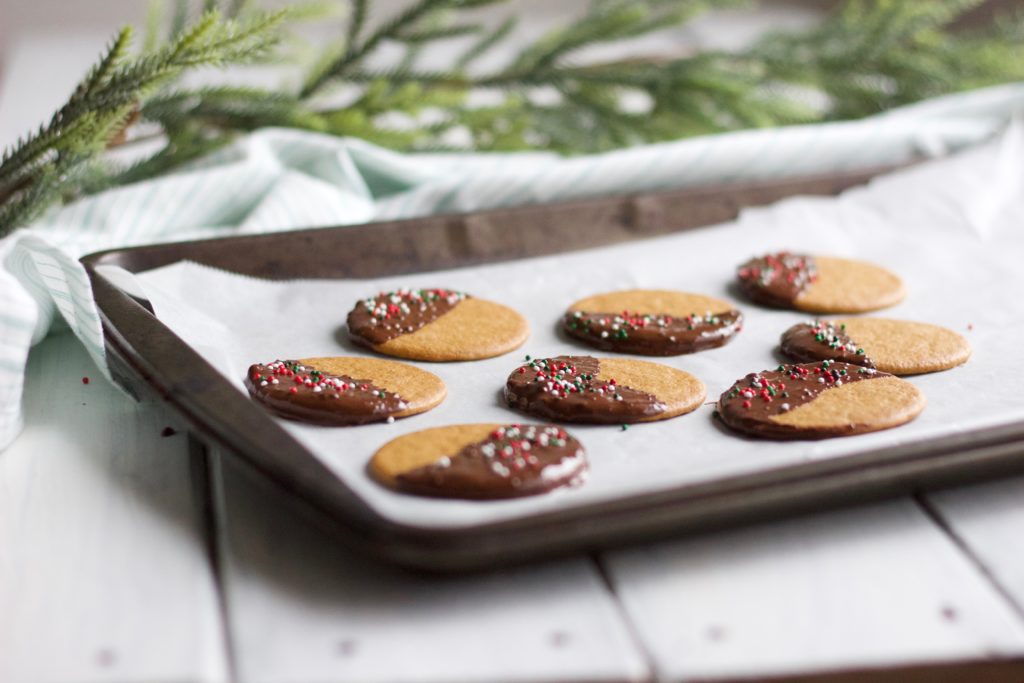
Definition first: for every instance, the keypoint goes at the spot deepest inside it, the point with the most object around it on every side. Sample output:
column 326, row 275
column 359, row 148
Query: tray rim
column 774, row 492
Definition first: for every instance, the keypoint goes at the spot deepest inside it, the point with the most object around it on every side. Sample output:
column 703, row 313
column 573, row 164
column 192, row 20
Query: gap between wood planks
column 936, row 516
column 205, row 480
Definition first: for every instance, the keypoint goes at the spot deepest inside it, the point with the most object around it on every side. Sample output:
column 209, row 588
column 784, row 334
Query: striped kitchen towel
column 284, row 179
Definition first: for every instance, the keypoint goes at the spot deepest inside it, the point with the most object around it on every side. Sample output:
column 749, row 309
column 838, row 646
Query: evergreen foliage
column 869, row 56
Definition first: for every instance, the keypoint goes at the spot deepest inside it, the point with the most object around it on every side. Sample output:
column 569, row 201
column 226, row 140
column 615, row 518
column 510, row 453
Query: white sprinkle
column 391, row 419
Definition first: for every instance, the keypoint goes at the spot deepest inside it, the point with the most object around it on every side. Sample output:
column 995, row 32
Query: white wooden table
column 124, row 557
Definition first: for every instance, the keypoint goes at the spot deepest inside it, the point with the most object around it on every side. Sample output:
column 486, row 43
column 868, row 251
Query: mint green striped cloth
column 283, row 179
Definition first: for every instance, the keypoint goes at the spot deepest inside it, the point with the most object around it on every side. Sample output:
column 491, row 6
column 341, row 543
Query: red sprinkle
column 85, row 380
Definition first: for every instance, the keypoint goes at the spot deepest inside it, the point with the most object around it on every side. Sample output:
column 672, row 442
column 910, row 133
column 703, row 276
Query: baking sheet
column 951, row 229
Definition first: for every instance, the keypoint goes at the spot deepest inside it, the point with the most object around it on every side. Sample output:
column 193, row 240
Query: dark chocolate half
column 513, row 461
column 777, row 279
column 822, row 340
column 751, row 402
column 653, row 334
column 300, row 392
column 566, row 388
column 387, row 315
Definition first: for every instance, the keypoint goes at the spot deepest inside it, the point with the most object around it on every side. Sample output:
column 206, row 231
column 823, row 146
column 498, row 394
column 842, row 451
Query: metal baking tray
column 147, row 358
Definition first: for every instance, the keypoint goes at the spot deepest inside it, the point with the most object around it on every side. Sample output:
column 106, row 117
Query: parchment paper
column 952, row 229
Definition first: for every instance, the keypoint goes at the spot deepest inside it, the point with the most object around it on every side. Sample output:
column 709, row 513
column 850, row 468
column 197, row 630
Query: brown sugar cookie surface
column 819, row 284
column 899, row 347
column 436, row 325
column 817, row 401
column 592, row 390
column 343, row 391
column 481, row 461
column 652, row 322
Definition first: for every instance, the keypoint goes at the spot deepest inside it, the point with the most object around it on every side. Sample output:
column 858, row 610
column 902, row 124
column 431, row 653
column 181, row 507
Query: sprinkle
column 391, row 419
column 625, row 427
column 85, row 380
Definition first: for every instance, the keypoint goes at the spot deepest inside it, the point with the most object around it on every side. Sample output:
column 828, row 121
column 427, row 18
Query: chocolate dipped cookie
column 480, row 461
column 435, row 325
column 652, row 322
column 818, row 401
column 592, row 390
column 819, row 284
column 899, row 347
column 343, row 391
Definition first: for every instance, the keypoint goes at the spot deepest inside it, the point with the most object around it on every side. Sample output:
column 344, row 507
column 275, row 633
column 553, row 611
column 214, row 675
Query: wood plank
column 104, row 571
column 988, row 519
column 868, row 587
column 302, row 608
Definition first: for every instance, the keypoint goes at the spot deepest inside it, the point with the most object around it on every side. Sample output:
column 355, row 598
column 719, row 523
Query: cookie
column 652, row 322
column 896, row 346
column 344, row 391
column 480, row 461
column 818, row 401
column 436, row 325
column 819, row 284
column 602, row 390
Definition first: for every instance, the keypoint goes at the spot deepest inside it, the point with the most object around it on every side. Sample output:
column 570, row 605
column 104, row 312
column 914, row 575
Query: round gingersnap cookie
column 602, row 390
column 343, row 391
column 818, row 401
column 480, row 461
column 652, row 322
column 899, row 347
column 819, row 284
column 436, row 325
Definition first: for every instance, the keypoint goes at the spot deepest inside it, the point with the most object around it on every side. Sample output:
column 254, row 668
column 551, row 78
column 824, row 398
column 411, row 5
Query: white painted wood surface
column 303, row 609
column 861, row 588
column 104, row 573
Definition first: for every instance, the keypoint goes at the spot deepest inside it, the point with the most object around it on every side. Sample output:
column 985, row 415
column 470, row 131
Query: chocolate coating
column 514, row 461
column 777, row 279
column 566, row 388
column 387, row 315
column 300, row 392
column 653, row 334
column 751, row 402
column 822, row 340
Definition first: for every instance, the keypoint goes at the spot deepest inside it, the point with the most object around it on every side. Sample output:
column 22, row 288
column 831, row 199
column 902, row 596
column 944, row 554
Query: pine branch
column 872, row 55
column 40, row 168
column 389, row 30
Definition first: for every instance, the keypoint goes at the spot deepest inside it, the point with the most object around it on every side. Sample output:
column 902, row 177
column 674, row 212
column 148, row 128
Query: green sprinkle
column 625, row 427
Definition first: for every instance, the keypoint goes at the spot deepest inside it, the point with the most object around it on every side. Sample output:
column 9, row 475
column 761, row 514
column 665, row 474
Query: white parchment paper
column 953, row 229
